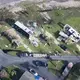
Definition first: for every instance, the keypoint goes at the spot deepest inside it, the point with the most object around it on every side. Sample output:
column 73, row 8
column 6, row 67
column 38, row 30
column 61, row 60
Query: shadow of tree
column 9, row 50
column 56, row 34
column 10, row 21
column 61, row 24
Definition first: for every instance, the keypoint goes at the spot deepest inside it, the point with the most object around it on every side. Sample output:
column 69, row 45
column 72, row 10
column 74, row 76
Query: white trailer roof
column 63, row 34
column 23, row 27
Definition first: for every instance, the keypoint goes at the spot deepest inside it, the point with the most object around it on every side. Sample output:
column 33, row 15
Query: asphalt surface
column 75, row 59
column 7, row 60
column 7, row 1
column 10, row 2
column 42, row 71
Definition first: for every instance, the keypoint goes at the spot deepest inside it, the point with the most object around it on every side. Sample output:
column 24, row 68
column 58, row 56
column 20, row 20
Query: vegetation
column 13, row 72
column 55, row 66
column 75, row 73
column 69, row 16
column 29, row 12
column 5, row 14
column 74, row 22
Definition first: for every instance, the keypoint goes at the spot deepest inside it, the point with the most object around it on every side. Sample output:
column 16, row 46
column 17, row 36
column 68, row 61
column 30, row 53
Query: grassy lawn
column 13, row 72
column 4, row 43
column 22, row 48
column 4, row 27
column 72, row 48
column 55, row 66
column 74, row 22
column 51, row 28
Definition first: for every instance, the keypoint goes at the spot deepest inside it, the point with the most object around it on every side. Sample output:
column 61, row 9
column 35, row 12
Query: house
column 63, row 34
column 62, row 37
column 20, row 27
column 23, row 27
column 73, row 34
column 27, row 76
column 69, row 33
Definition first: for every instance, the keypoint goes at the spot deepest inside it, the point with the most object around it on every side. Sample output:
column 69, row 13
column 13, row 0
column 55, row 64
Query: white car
column 32, row 71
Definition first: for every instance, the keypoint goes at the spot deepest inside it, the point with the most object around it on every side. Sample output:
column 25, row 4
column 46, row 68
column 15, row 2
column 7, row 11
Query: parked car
column 37, row 76
column 40, row 63
column 32, row 71
column 22, row 54
column 31, row 55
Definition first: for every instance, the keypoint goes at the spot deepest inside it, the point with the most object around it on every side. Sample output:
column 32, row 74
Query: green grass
column 13, row 53
column 3, row 42
column 74, row 22
column 72, row 48
column 55, row 66
column 21, row 47
column 51, row 28
column 4, row 27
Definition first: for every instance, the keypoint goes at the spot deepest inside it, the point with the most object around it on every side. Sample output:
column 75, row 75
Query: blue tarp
column 37, row 77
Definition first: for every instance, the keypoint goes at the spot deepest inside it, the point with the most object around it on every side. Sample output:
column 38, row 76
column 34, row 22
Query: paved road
column 67, row 58
column 6, row 60
column 48, row 3
column 7, row 1
column 42, row 71
column 4, row 2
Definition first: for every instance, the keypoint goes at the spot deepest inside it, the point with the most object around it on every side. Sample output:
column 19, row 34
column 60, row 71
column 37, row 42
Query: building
column 69, row 33
column 20, row 27
column 27, row 76
column 63, row 36
column 23, row 27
